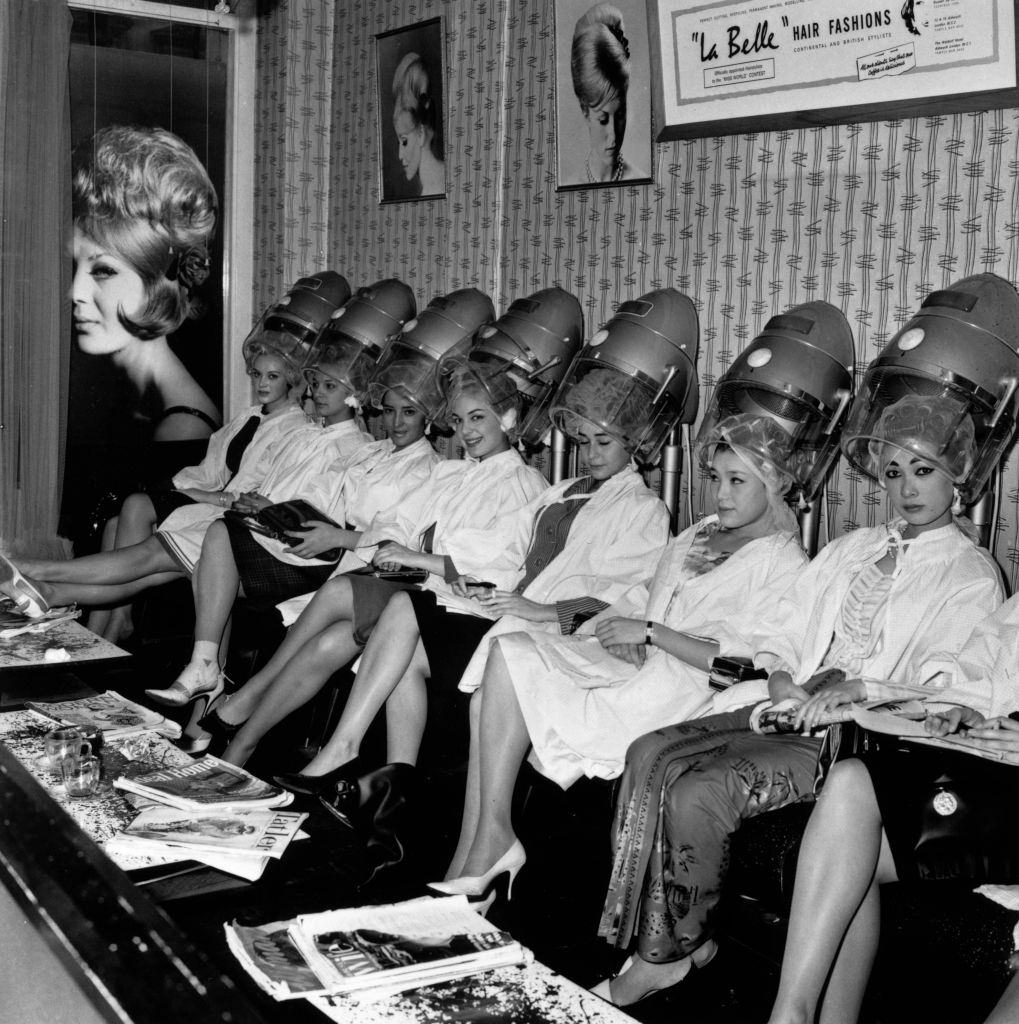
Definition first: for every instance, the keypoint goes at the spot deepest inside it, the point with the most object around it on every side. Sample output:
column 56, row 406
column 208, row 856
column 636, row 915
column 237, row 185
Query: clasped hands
column 623, row 638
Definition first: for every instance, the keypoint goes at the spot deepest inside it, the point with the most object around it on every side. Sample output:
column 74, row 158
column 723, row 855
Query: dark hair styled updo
column 143, row 194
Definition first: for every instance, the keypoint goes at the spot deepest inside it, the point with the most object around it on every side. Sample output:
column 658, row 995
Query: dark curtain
column 35, row 219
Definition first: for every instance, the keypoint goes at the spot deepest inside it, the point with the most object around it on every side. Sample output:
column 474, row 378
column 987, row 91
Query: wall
column 869, row 217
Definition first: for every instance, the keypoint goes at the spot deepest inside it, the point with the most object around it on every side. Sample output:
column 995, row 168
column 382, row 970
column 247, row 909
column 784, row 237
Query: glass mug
column 81, row 775
column 64, row 743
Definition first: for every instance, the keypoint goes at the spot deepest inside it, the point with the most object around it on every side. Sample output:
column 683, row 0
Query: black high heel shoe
column 211, row 723
column 316, row 785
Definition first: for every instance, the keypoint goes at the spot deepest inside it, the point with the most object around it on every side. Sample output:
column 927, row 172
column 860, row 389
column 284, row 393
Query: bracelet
column 649, row 634
column 222, row 499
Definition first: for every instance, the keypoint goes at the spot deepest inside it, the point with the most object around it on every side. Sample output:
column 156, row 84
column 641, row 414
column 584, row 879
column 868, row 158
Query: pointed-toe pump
column 318, row 785
column 25, row 595
column 189, row 686
column 700, row 957
column 478, row 888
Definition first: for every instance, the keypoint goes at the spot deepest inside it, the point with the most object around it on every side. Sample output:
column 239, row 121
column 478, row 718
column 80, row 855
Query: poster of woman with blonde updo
column 603, row 93
column 411, row 112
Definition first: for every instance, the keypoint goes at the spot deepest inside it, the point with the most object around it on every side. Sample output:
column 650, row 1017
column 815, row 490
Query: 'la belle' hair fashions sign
column 724, row 67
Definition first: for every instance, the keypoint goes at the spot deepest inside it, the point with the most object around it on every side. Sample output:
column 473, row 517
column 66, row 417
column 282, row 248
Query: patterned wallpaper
column 869, row 217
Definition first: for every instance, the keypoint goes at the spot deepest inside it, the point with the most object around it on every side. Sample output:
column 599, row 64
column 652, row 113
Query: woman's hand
column 250, row 502
column 620, row 632
column 314, row 538
column 948, row 722
column 998, row 735
column 827, row 700
column 502, row 602
column 391, row 556
column 635, row 654
column 781, row 687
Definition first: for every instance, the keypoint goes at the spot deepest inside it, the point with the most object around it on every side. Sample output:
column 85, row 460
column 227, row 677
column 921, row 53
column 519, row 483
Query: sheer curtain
column 35, row 216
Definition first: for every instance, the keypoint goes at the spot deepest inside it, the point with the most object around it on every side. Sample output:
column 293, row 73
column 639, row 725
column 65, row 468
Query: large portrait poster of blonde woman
column 411, row 112
column 603, row 93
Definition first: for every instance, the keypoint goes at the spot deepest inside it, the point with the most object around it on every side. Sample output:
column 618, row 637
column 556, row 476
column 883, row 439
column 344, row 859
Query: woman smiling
column 884, row 603
column 578, row 702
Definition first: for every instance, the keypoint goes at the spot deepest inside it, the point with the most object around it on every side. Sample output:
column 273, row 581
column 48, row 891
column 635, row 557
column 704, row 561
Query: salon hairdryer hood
column 652, row 341
column 535, row 341
column 798, row 372
column 961, row 344
column 411, row 359
column 296, row 320
column 373, row 315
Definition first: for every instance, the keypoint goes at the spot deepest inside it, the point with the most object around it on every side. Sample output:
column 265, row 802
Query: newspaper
column 205, row 783
column 116, row 716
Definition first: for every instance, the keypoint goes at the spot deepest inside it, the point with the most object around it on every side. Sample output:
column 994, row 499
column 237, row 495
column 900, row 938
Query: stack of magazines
column 113, row 715
column 364, row 954
column 208, row 811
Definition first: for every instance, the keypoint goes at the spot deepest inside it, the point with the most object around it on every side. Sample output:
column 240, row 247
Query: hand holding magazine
column 284, row 518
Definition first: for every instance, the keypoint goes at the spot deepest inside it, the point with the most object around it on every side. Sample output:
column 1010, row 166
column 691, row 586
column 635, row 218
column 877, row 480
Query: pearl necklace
column 617, row 169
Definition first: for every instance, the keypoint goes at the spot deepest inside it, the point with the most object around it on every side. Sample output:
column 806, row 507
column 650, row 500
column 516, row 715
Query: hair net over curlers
column 345, row 361
column 414, row 378
column 762, row 445
column 494, row 382
column 938, row 430
column 606, row 400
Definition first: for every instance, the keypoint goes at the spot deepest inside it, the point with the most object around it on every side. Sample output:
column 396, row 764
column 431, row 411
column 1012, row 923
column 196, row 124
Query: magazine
column 419, row 942
column 885, row 716
column 116, row 716
column 368, row 953
column 268, row 954
column 155, row 853
column 251, row 833
column 284, row 518
column 206, row 783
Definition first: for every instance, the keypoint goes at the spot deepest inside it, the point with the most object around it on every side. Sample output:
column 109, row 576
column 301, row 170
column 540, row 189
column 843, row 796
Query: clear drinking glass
column 81, row 775
column 63, row 743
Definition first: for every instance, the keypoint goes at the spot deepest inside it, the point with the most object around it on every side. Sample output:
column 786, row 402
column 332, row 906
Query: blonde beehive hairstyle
column 143, row 194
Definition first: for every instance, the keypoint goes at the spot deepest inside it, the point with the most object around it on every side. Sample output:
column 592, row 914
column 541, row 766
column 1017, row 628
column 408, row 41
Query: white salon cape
column 355, row 488
column 211, row 474
column 984, row 675
column 583, row 707
column 183, row 531
column 614, row 544
column 942, row 587
column 473, row 506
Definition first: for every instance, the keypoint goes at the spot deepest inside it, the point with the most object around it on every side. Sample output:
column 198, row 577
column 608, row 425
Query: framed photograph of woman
column 411, row 73
column 603, row 93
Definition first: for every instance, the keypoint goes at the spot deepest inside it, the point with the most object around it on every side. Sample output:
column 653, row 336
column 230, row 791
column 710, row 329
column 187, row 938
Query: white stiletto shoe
column 191, row 684
column 481, row 889
column 25, row 595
